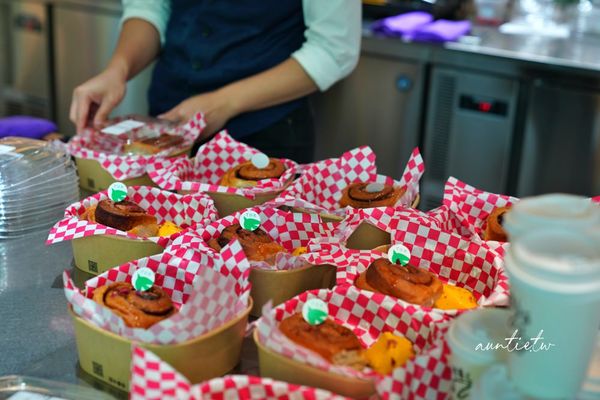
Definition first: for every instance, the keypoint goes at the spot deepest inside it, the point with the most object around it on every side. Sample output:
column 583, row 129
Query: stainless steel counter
column 37, row 337
column 580, row 53
column 577, row 51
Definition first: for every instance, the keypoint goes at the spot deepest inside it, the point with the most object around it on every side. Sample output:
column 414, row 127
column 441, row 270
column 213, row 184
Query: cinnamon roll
column 247, row 175
column 125, row 216
column 153, row 145
column 408, row 283
column 357, row 196
column 494, row 229
column 257, row 245
column 138, row 309
column 332, row 341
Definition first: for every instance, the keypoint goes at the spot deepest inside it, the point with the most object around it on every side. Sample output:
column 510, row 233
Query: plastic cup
column 468, row 338
column 555, row 286
column 494, row 384
column 552, row 210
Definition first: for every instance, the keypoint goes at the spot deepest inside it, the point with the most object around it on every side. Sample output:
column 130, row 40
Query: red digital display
column 485, row 106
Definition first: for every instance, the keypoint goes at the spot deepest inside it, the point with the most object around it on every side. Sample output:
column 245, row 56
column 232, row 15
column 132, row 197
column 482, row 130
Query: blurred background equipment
column 508, row 107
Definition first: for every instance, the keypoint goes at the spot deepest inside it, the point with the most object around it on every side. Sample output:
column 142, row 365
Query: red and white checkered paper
column 187, row 212
column 475, row 205
column 123, row 167
column 369, row 315
column 291, row 230
column 322, row 183
column 206, row 297
column 471, row 207
column 154, row 379
column 213, row 160
column 457, row 261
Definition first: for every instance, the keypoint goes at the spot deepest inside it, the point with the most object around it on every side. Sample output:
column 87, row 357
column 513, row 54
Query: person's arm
column 144, row 24
column 329, row 53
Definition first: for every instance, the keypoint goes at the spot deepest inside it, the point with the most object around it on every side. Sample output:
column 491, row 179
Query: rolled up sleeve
column 156, row 12
column 332, row 46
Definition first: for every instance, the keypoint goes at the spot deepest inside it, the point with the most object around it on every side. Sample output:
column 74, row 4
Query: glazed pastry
column 332, row 341
column 408, row 283
column 125, row 216
column 356, row 195
column 247, row 175
column 389, row 352
column 138, row 309
column 257, row 245
column 494, row 229
column 153, row 145
column 143, row 226
column 455, row 298
column 452, row 298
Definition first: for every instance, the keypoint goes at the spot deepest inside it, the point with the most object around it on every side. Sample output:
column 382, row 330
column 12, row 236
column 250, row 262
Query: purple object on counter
column 401, row 25
column 30, row 127
column 441, row 30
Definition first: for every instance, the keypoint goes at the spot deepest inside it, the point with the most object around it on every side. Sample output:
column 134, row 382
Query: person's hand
column 96, row 98
column 215, row 106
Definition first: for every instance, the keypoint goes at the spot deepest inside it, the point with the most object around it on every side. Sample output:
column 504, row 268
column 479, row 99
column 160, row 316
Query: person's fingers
column 172, row 115
column 83, row 107
column 73, row 109
column 107, row 105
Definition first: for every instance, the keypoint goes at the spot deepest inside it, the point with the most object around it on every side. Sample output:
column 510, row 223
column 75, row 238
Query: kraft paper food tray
column 89, row 259
column 111, row 167
column 93, row 177
column 107, row 356
column 97, row 248
column 427, row 375
column 269, row 284
column 279, row 367
column 205, row 172
column 152, row 378
column 366, row 236
column 228, row 203
column 279, row 286
column 210, row 325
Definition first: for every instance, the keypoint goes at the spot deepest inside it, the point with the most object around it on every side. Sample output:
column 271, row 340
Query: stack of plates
column 37, row 182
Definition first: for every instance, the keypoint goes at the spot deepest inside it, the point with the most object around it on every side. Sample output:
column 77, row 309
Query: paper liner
column 428, row 377
column 472, row 206
column 213, row 160
column 368, row 315
column 291, row 230
column 123, row 167
column 322, row 183
column 456, row 260
column 187, row 212
column 152, row 378
column 206, row 297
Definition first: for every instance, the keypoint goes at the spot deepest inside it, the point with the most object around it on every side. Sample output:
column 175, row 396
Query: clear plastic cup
column 552, row 210
column 472, row 338
column 555, row 287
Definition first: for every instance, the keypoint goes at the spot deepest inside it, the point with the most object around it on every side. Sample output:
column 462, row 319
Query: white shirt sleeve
column 332, row 46
column 156, row 12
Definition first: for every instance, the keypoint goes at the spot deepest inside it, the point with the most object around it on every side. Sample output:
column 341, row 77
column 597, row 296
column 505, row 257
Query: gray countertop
column 488, row 48
column 577, row 51
column 37, row 337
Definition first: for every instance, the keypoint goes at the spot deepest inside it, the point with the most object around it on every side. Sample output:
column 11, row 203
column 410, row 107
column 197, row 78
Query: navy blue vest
column 210, row 43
